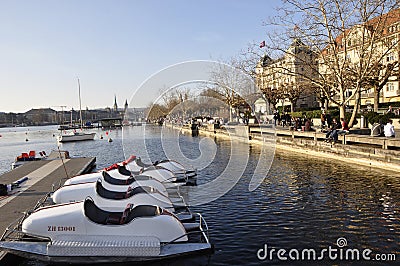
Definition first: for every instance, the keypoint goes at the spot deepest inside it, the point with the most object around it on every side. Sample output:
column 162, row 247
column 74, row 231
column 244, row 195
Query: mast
column 80, row 103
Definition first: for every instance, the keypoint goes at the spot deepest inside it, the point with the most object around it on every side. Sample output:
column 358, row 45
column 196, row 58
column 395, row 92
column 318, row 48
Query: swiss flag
column 262, row 44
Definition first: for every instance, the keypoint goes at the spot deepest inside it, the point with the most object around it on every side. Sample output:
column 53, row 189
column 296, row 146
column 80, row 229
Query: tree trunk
column 376, row 99
column 291, row 107
column 342, row 109
column 326, row 104
column 355, row 110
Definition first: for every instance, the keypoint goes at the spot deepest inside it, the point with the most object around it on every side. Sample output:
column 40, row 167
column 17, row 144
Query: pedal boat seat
column 118, row 195
column 99, row 216
column 116, row 181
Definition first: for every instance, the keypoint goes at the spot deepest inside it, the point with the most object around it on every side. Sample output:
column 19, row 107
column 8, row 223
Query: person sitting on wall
column 389, row 129
column 307, row 125
column 345, row 125
column 377, row 130
column 332, row 134
column 341, row 130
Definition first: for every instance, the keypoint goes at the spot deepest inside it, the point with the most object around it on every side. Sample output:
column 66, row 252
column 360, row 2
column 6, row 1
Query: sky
column 112, row 46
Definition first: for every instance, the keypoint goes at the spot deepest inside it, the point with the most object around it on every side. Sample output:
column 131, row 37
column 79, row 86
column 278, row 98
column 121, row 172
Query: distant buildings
column 48, row 116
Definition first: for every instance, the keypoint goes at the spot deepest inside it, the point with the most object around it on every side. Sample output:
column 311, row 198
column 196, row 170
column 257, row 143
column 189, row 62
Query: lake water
column 304, row 202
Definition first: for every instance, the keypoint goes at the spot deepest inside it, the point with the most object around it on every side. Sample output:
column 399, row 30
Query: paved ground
column 42, row 176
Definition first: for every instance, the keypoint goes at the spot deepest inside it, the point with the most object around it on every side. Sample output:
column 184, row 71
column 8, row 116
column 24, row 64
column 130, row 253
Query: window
column 390, row 87
column 390, row 57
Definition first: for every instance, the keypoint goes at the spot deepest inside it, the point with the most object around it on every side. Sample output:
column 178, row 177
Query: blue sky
column 112, row 46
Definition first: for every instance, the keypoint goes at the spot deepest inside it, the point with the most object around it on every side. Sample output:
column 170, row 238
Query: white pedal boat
column 116, row 184
column 162, row 175
column 116, row 199
column 83, row 233
column 135, row 163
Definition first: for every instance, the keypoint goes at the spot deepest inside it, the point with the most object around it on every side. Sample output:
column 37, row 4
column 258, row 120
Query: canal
column 303, row 203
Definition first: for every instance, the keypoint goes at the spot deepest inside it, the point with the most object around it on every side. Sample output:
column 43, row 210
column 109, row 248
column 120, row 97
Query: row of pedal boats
column 127, row 212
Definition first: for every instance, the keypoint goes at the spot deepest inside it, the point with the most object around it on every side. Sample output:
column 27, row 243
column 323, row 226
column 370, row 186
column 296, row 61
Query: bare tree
column 346, row 35
column 232, row 83
column 156, row 111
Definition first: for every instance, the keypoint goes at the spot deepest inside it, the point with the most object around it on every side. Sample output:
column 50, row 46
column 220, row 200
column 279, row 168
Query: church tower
column 126, row 106
column 115, row 104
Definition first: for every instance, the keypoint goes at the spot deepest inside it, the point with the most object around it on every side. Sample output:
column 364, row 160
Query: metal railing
column 202, row 231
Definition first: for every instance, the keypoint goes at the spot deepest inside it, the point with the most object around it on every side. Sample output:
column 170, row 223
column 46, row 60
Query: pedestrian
column 276, row 115
column 328, row 119
column 288, row 119
column 389, row 129
column 323, row 118
column 283, row 119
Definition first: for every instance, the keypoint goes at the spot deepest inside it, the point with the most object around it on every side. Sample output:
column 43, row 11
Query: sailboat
column 77, row 136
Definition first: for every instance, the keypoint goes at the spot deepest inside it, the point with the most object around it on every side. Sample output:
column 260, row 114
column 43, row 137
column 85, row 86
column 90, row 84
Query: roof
column 381, row 22
column 41, row 110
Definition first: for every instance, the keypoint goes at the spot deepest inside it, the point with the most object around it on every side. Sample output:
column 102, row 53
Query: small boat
column 83, row 233
column 32, row 156
column 75, row 136
column 135, row 163
column 138, row 195
column 103, row 197
column 116, row 184
column 28, row 157
column 175, row 167
column 164, row 176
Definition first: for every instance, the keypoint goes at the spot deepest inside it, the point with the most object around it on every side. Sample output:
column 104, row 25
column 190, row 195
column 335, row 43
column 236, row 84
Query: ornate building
column 284, row 77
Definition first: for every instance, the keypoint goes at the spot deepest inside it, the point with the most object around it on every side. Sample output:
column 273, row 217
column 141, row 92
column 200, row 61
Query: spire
column 115, row 103
column 126, row 107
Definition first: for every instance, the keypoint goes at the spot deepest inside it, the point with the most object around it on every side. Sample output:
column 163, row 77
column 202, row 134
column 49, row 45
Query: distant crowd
column 331, row 126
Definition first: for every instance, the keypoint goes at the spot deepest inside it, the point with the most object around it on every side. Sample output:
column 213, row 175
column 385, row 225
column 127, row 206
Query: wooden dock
column 42, row 177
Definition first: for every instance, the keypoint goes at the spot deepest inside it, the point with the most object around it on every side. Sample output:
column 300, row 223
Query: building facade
column 286, row 75
column 372, row 48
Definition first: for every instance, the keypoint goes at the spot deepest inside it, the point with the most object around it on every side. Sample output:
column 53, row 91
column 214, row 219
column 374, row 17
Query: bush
column 374, row 117
column 308, row 114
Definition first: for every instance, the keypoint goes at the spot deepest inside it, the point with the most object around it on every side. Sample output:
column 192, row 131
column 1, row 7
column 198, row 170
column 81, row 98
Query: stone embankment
column 354, row 147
